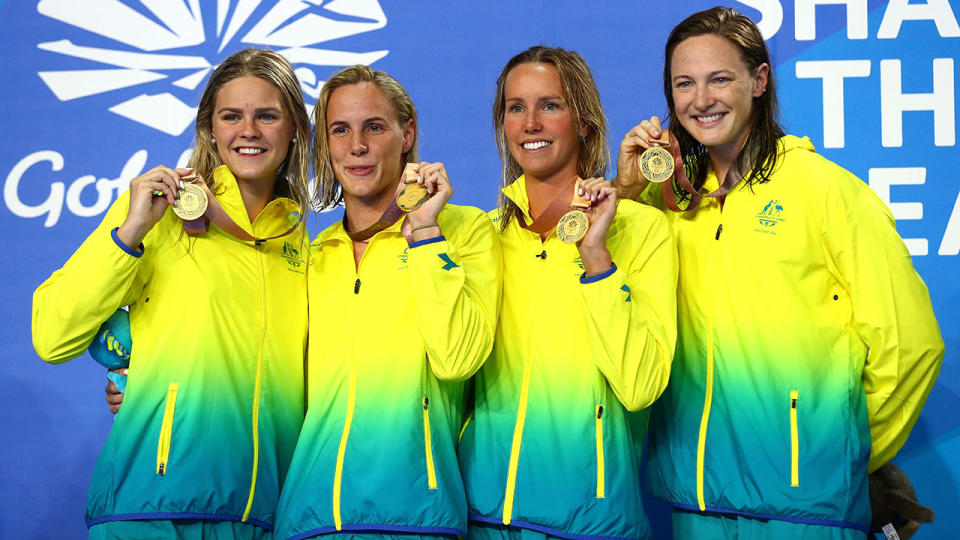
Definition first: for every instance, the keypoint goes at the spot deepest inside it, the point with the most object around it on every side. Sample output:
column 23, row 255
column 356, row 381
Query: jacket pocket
column 794, row 442
column 428, row 445
column 601, row 490
column 166, row 430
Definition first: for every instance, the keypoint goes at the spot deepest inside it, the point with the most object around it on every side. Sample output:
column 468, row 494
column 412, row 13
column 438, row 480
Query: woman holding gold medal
column 405, row 293
column 807, row 342
column 218, row 316
column 587, row 324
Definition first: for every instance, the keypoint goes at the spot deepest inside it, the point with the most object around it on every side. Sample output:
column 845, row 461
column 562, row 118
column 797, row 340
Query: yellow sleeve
column 652, row 195
column 459, row 279
column 892, row 314
column 71, row 304
column 632, row 313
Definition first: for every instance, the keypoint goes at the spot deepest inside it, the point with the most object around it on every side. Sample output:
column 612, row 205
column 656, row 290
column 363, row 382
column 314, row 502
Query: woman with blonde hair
column 586, row 330
column 218, row 313
column 403, row 310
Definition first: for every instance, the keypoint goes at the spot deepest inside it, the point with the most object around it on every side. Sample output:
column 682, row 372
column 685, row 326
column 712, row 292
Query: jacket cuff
column 426, row 241
column 602, row 275
column 124, row 247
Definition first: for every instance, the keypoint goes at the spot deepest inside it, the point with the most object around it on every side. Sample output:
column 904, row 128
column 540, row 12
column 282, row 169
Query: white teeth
column 535, row 145
column 708, row 119
column 251, row 151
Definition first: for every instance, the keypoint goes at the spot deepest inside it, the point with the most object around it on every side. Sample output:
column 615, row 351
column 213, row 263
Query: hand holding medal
column 425, row 191
column 413, row 193
column 601, row 197
column 644, row 158
column 150, row 195
column 573, row 226
column 191, row 198
column 656, row 163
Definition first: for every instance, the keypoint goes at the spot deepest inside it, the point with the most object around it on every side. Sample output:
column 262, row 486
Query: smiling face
column 713, row 92
column 251, row 129
column 541, row 130
column 367, row 142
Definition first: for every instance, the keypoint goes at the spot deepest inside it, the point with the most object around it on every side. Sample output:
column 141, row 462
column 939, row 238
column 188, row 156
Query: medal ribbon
column 548, row 219
column 219, row 217
column 393, row 212
column 388, row 218
column 680, row 174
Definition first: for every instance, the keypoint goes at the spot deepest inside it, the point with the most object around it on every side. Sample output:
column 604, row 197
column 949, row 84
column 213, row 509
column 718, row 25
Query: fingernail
column 581, row 191
column 181, row 184
column 125, row 371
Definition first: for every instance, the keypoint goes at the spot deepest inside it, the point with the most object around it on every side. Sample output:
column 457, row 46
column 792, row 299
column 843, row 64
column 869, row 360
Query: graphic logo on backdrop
column 170, row 47
column 151, row 58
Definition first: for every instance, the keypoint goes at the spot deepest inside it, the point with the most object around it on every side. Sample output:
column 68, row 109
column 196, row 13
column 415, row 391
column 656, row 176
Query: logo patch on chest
column 292, row 256
column 769, row 217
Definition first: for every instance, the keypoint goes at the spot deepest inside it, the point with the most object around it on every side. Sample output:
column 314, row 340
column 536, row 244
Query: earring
column 213, row 140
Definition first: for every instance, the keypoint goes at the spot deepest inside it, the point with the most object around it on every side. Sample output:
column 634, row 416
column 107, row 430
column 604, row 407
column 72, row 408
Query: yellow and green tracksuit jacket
column 391, row 343
column 554, row 443
column 214, row 397
column 804, row 333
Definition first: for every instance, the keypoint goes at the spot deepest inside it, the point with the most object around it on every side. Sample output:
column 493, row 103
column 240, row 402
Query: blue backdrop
column 97, row 91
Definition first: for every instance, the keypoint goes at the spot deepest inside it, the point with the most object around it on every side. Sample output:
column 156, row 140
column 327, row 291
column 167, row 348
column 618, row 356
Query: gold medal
column 191, row 202
column 573, row 226
column 656, row 164
column 412, row 196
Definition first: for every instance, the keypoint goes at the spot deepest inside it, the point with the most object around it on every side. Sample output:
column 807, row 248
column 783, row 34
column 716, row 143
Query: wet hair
column 276, row 70
column 581, row 94
column 758, row 157
column 329, row 192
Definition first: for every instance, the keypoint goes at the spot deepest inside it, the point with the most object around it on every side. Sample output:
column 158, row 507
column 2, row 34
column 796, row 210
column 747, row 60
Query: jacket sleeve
column 101, row 276
column 632, row 313
column 892, row 314
column 459, row 281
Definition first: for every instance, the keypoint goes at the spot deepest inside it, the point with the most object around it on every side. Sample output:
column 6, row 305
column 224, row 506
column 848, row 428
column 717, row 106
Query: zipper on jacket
column 794, row 442
column 166, row 429
column 705, row 419
column 464, row 428
column 708, row 391
column 356, row 287
column 338, row 472
column 542, row 255
column 600, row 474
column 515, row 447
column 255, row 413
column 428, row 445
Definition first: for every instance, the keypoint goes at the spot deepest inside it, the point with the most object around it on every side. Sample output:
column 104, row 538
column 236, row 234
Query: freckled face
column 713, row 91
column 541, row 131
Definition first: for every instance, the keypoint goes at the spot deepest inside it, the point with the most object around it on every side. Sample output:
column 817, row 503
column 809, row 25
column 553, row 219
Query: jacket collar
column 280, row 209
column 337, row 231
column 785, row 144
column 516, row 191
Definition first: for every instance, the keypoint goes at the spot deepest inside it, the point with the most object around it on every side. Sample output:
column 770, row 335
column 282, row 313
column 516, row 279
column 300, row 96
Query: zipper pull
column 356, row 287
column 542, row 255
column 719, row 230
column 793, row 403
column 161, row 469
column 426, row 402
column 599, row 412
